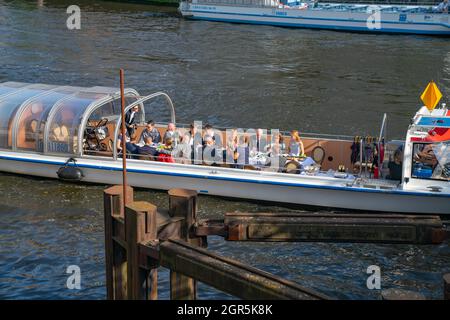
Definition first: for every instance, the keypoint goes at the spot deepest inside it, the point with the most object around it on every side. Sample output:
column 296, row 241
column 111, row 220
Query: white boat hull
column 413, row 23
column 282, row 188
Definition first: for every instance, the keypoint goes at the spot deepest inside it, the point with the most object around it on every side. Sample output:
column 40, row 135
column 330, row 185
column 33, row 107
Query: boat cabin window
column 8, row 108
column 65, row 122
column 431, row 161
column 32, row 119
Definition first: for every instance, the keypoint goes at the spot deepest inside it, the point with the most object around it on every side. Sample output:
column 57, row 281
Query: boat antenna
column 123, row 140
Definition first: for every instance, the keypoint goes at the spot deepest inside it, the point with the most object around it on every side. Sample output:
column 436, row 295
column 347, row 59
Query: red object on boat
column 375, row 173
column 436, row 134
column 165, row 158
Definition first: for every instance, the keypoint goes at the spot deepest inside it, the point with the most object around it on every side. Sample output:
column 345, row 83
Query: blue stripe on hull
column 327, row 27
column 187, row 175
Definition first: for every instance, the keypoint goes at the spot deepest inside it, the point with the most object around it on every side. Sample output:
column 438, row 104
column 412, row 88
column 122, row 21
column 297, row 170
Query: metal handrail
column 140, row 102
column 94, row 106
column 380, row 137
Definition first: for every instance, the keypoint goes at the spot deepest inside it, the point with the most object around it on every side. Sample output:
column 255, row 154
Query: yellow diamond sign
column 431, row 96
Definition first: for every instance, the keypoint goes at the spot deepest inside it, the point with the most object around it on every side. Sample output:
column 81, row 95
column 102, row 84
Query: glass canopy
column 52, row 119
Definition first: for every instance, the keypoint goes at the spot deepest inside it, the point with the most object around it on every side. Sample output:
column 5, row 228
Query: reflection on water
column 229, row 75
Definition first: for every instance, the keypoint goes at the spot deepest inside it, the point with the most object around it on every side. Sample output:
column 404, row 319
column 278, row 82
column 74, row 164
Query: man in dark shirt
column 150, row 131
column 148, row 149
column 131, row 120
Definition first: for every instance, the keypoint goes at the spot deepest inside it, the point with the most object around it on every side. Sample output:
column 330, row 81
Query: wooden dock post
column 183, row 203
column 115, row 254
column 446, row 286
column 140, row 227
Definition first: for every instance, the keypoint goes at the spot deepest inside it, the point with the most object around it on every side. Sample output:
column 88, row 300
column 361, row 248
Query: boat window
column 66, row 120
column 32, row 119
column 8, row 108
column 431, row 161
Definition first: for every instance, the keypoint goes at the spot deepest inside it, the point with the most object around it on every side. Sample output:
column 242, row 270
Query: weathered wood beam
column 381, row 228
column 229, row 275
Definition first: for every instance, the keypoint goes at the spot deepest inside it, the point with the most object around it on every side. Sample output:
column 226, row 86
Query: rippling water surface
column 229, row 75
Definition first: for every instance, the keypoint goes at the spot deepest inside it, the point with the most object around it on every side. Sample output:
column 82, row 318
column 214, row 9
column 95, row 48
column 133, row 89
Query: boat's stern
column 184, row 8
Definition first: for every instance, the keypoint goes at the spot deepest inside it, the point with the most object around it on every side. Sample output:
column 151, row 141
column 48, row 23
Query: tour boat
column 335, row 16
column 71, row 133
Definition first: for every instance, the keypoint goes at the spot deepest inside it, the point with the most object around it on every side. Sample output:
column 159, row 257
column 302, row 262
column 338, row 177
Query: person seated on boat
column 165, row 153
column 426, row 156
column 211, row 154
column 130, row 144
column 30, row 130
column 277, row 147
column 149, row 148
column 232, row 148
column 60, row 134
column 281, row 144
column 395, row 166
column 182, row 151
column 171, row 133
column 244, row 150
column 150, row 131
column 258, row 141
column 296, row 148
column 209, row 131
column 195, row 143
column 442, row 7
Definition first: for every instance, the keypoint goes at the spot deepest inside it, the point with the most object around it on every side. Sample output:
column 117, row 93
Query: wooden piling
column 183, row 203
column 115, row 255
column 446, row 286
column 140, row 227
column 139, row 238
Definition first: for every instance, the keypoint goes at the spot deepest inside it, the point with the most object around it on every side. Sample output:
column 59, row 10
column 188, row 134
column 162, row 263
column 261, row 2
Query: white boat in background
column 334, row 16
column 44, row 128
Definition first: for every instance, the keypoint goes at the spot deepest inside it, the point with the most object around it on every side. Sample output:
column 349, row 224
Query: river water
column 228, row 75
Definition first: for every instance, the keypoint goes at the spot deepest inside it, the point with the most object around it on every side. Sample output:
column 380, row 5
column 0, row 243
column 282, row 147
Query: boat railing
column 219, row 165
column 394, row 8
column 309, row 135
column 381, row 137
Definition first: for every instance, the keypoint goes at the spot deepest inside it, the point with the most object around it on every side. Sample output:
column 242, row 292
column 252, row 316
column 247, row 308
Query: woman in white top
column 296, row 148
